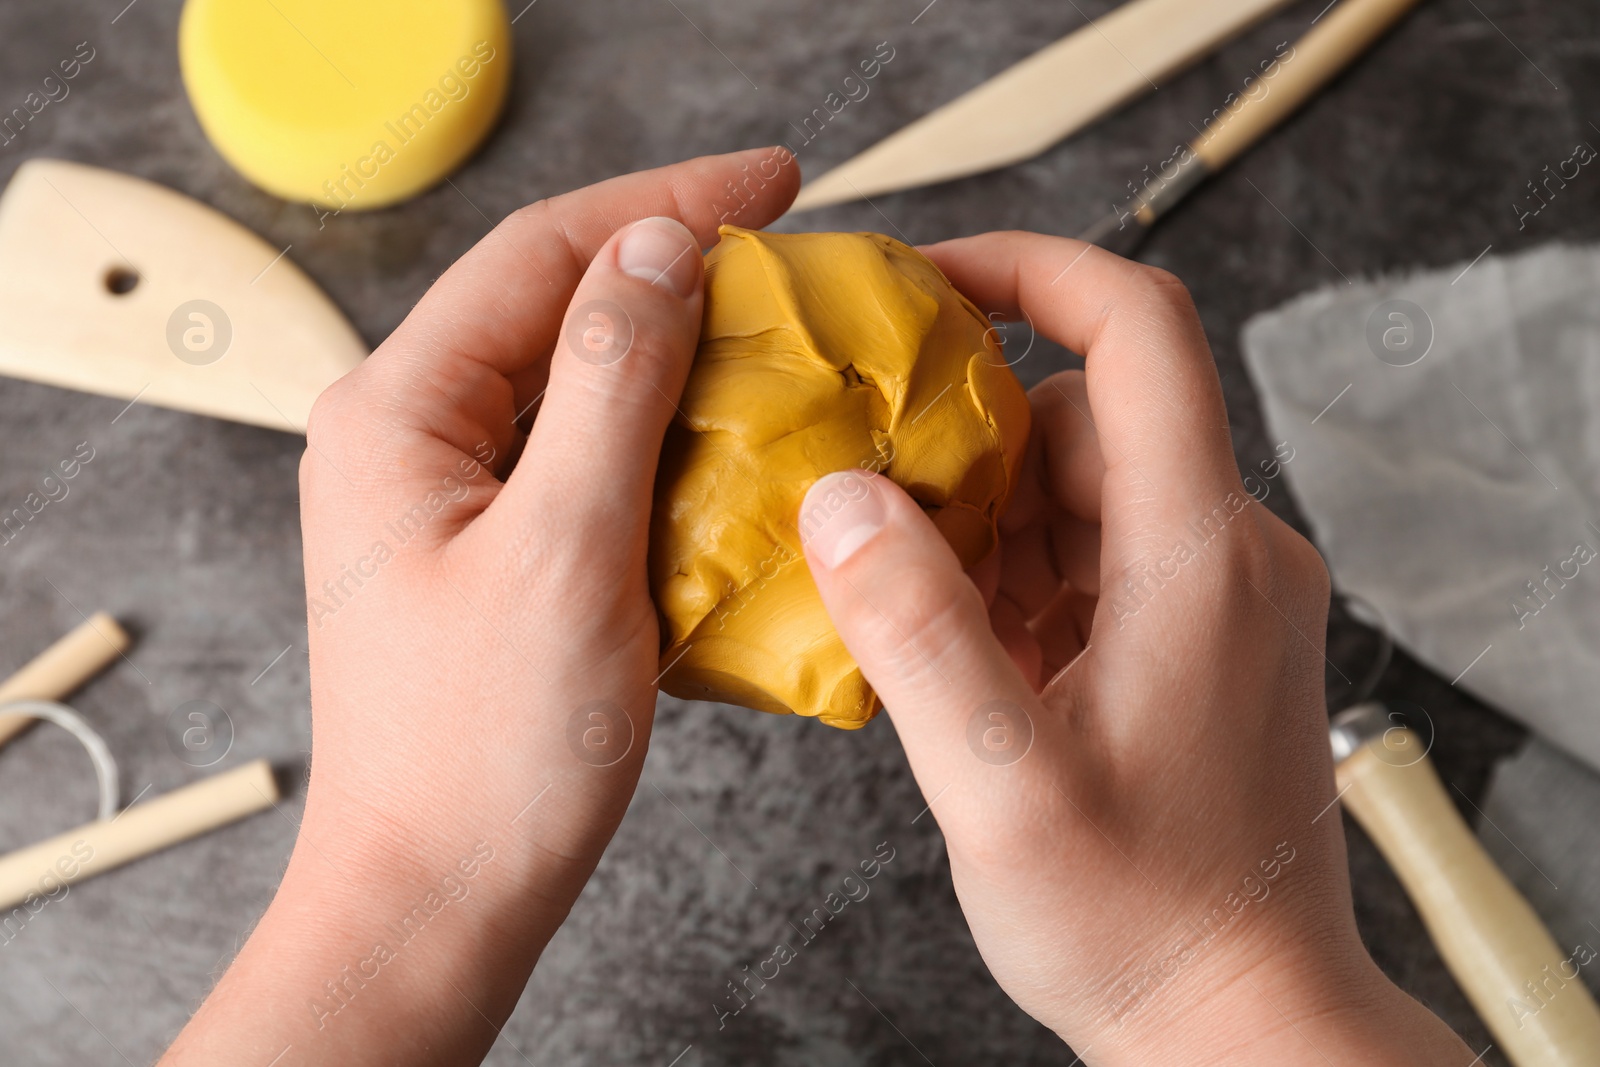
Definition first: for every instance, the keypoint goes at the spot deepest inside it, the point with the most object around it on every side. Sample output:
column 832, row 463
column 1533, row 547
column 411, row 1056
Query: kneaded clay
column 819, row 352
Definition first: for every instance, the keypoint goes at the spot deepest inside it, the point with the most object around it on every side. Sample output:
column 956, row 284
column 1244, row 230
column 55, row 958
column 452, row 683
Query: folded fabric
column 1446, row 435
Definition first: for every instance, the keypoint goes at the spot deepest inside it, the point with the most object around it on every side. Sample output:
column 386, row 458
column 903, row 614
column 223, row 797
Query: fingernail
column 841, row 513
column 662, row 251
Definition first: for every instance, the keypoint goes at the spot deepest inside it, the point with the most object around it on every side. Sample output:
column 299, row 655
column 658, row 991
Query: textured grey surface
column 1538, row 823
column 187, row 527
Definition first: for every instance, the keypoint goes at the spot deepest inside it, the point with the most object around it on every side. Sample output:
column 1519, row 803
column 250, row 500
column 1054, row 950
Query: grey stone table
column 187, row 527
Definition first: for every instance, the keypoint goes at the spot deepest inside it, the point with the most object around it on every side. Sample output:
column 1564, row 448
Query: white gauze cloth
column 1459, row 494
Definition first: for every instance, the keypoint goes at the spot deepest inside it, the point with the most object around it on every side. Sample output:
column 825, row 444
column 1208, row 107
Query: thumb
column 916, row 625
column 615, row 376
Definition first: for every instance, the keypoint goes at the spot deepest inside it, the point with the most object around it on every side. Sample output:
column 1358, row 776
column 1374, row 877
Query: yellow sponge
column 356, row 104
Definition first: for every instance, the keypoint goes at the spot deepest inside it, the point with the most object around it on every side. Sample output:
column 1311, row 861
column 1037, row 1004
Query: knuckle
column 656, row 348
column 539, row 225
column 1241, row 558
column 1304, row 567
column 331, row 397
column 1163, row 289
column 348, row 423
column 922, row 621
column 325, row 410
column 655, row 351
column 1159, row 280
column 534, row 214
column 1285, row 566
column 1153, row 303
column 306, row 475
column 1248, row 552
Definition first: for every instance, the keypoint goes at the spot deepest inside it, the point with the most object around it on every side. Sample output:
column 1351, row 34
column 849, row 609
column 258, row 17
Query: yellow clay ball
column 819, row 352
column 350, row 105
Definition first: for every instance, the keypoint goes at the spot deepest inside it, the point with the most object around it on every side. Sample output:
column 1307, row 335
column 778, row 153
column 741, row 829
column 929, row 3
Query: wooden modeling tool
column 105, row 844
column 116, row 837
column 1338, row 39
column 1494, row 944
column 54, row 673
column 1049, row 96
column 115, row 285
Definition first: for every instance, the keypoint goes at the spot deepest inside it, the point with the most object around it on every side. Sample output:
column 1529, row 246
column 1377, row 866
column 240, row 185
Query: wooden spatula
column 1052, row 94
column 115, row 285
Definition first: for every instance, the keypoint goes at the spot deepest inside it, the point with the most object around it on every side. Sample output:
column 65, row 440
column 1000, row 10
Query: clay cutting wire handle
column 1494, row 944
column 105, row 844
column 54, row 673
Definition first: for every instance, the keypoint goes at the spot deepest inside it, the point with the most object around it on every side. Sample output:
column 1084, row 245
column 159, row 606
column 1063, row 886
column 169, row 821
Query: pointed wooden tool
column 1317, row 58
column 1050, row 95
column 115, row 285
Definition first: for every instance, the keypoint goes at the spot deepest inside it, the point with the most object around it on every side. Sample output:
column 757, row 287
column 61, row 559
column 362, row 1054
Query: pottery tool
column 1049, row 96
column 1490, row 938
column 355, row 105
column 118, row 286
column 1339, row 37
column 54, row 673
column 107, row 843
column 105, row 764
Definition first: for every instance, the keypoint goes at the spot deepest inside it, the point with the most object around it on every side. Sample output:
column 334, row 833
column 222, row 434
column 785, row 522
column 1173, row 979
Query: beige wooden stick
column 1524, row 986
column 1052, row 94
column 38, row 871
column 54, row 673
column 1322, row 54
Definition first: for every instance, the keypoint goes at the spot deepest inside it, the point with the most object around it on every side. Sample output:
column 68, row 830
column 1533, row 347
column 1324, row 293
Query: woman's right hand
column 1118, row 720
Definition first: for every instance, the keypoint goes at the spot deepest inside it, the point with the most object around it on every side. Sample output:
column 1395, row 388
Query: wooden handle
column 1525, row 987
column 94, row 848
column 1342, row 35
column 63, row 667
column 1052, row 94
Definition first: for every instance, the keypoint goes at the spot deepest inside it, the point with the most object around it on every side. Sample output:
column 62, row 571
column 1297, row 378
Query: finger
column 914, row 622
column 1029, row 577
column 615, row 379
column 1075, row 549
column 986, row 574
column 501, row 303
column 1070, row 468
column 474, row 351
column 1153, row 391
column 1011, row 628
column 1062, row 630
